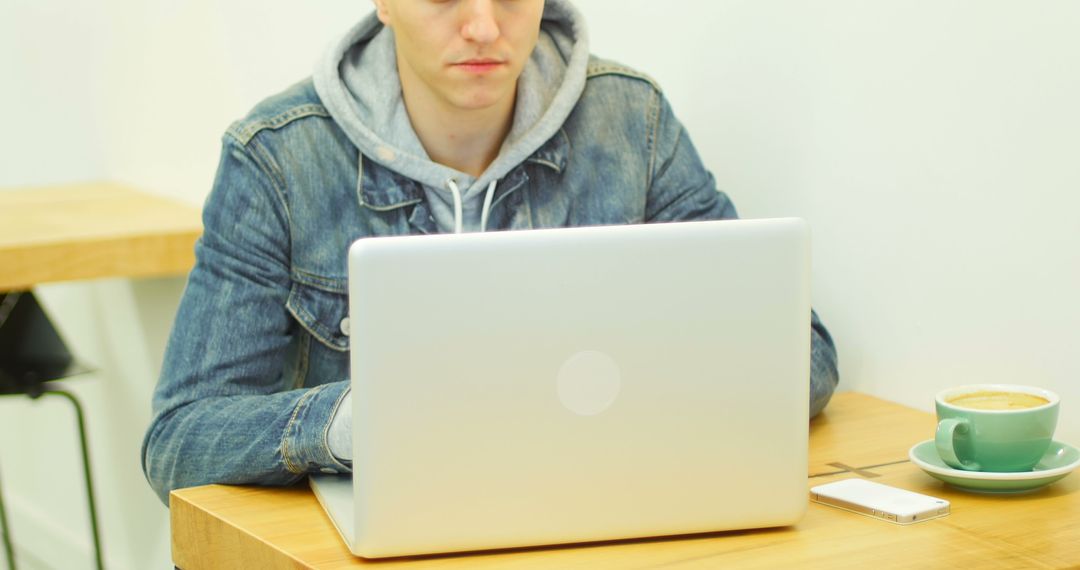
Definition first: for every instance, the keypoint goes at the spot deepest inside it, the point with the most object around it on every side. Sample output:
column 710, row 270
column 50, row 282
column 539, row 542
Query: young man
column 429, row 116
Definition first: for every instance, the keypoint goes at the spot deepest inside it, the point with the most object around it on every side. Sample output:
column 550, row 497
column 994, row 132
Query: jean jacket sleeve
column 224, row 410
column 681, row 188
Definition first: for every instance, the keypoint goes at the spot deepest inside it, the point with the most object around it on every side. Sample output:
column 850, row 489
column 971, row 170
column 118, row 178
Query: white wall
column 928, row 143
column 933, row 147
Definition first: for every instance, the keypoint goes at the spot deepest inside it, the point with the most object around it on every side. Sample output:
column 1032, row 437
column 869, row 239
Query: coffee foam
column 997, row 400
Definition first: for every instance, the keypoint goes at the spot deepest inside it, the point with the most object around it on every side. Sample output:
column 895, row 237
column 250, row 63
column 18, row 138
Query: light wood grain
column 1033, row 530
column 850, row 433
column 232, row 527
column 87, row 231
column 246, row 527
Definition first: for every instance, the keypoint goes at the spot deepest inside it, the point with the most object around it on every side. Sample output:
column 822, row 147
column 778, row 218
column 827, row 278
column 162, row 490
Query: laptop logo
column 588, row 382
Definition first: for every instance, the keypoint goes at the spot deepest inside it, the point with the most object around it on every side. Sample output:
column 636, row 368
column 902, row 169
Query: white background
column 932, row 145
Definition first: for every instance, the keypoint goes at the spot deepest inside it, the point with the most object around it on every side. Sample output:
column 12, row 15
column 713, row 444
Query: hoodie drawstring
column 457, row 204
column 487, row 206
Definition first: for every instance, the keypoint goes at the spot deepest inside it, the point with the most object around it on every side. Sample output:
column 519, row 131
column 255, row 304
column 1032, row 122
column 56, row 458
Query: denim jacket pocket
column 323, row 313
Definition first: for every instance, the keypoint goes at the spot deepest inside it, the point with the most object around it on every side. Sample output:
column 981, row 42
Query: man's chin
column 477, row 101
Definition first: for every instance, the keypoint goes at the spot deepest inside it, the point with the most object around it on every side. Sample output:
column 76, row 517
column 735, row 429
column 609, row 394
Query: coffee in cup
column 995, row 427
column 997, row 400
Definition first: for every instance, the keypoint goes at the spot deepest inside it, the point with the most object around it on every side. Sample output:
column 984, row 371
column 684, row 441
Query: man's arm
column 680, row 189
column 222, row 411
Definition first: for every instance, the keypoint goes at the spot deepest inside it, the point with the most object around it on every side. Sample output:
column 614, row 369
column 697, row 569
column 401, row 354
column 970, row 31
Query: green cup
column 995, row 427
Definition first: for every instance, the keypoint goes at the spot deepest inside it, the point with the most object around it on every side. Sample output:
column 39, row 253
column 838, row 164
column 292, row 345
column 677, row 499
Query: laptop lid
column 579, row 384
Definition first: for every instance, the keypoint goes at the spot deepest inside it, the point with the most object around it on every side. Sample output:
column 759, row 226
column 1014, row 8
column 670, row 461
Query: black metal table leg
column 32, row 354
column 86, row 469
column 8, row 550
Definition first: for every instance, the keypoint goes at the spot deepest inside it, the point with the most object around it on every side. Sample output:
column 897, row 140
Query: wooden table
column 857, row 436
column 87, row 231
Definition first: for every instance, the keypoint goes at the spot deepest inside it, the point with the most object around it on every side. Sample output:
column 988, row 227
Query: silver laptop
column 570, row 385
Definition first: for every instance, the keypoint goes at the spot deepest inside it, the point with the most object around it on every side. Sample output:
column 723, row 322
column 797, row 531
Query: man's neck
column 465, row 140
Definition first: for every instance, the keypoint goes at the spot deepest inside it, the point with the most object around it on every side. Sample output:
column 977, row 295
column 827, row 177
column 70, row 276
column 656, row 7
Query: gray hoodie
column 358, row 83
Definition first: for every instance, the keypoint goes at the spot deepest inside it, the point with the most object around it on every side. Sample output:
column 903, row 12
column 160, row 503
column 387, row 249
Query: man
column 430, row 116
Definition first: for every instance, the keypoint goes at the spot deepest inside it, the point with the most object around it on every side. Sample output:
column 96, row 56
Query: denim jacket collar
column 382, row 189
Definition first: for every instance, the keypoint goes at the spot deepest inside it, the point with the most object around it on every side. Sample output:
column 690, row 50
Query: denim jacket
column 257, row 361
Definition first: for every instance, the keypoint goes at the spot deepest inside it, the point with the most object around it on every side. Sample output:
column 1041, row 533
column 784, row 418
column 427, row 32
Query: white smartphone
column 880, row 501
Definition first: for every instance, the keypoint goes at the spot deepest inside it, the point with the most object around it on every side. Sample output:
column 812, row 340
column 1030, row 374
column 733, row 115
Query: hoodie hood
column 358, row 83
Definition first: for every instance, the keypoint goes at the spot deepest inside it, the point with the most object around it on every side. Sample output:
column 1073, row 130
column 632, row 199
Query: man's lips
column 479, row 65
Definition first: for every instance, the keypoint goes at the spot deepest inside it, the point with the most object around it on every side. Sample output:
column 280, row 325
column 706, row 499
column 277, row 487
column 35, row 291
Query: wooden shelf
column 93, row 230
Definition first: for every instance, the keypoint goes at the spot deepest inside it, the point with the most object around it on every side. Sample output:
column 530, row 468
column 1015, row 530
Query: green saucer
column 1060, row 460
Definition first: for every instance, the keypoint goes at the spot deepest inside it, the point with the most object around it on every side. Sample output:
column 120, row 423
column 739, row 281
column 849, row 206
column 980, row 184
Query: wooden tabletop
column 858, row 436
column 87, row 231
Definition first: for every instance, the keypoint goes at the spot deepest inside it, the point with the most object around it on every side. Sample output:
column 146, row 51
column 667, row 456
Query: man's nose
column 478, row 21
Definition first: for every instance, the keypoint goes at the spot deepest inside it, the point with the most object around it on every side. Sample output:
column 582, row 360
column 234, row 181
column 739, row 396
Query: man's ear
column 382, row 12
